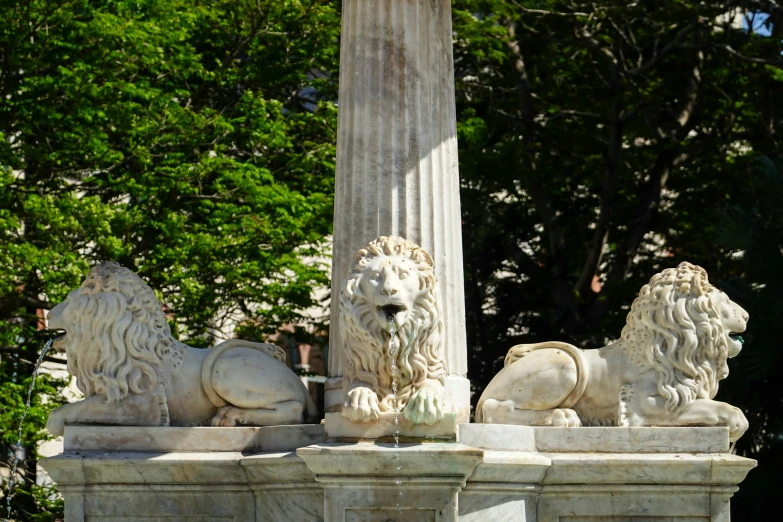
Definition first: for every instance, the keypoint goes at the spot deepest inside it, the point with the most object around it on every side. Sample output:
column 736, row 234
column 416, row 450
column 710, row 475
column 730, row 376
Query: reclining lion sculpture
column 663, row 371
column 133, row 372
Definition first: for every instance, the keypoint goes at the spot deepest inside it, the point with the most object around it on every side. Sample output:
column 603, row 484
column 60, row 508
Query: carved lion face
column 391, row 277
column 734, row 320
column 58, row 321
column 392, row 287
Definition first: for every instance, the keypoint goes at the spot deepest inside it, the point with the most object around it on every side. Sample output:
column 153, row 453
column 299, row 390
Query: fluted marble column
column 397, row 158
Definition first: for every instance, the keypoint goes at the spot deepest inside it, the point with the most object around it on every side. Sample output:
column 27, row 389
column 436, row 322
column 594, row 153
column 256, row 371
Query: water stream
column 393, row 349
column 12, row 476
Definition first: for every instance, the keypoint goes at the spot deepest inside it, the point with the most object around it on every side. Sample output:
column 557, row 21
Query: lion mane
column 675, row 326
column 118, row 334
column 367, row 346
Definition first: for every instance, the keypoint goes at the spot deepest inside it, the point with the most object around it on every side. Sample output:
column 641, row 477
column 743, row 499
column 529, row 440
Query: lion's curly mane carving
column 118, row 335
column 675, row 324
column 367, row 344
column 133, row 372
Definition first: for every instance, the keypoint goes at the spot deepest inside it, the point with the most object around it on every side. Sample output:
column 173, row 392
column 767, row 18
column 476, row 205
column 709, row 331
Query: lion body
column 671, row 355
column 133, row 372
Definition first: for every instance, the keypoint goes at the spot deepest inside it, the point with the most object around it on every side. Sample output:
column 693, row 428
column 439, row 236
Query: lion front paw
column 56, row 423
column 227, row 416
column 563, row 417
column 425, row 407
column 737, row 422
column 361, row 405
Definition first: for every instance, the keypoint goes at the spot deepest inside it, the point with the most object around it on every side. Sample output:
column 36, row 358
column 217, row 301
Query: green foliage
column 191, row 141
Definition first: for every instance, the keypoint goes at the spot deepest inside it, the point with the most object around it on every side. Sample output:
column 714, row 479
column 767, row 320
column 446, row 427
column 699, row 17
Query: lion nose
column 389, row 291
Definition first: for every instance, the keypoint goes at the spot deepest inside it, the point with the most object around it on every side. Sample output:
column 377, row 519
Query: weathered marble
column 378, row 483
column 392, row 334
column 134, row 373
column 428, row 481
column 152, row 439
column 340, row 428
column 501, row 437
column 635, row 439
column 397, row 159
column 643, row 379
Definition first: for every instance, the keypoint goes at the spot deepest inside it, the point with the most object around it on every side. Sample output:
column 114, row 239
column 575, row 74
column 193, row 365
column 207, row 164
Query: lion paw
column 361, row 405
column 56, row 423
column 425, row 407
column 737, row 422
column 227, row 416
column 563, row 417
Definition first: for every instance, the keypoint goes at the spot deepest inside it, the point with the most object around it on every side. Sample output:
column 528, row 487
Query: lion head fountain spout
column 388, row 300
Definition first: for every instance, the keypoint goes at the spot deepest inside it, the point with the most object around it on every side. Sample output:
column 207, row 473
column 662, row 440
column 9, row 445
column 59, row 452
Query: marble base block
column 495, row 473
column 341, row 428
column 148, row 439
column 507, row 437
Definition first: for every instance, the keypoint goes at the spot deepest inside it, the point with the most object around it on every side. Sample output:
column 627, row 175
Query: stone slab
column 373, row 461
column 499, row 437
column 632, row 440
column 341, row 428
column 197, row 439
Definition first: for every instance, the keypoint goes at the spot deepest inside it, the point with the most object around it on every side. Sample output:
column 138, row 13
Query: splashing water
column 12, row 476
column 393, row 348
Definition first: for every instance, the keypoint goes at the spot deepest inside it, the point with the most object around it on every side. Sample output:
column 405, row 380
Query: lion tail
column 519, row 351
column 311, row 410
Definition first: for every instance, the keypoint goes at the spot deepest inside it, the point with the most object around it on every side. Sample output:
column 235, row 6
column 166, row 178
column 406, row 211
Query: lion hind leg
column 505, row 412
column 288, row 412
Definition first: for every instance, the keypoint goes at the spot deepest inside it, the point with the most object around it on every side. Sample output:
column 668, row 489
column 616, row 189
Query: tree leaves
column 193, row 142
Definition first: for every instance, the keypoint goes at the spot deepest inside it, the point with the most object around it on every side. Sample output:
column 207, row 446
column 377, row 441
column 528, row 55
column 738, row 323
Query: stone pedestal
column 493, row 473
column 397, row 160
column 340, row 429
column 379, row 482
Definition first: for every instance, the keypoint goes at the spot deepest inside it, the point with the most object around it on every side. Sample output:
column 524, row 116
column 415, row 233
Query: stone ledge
column 504, row 437
column 196, row 439
column 343, row 429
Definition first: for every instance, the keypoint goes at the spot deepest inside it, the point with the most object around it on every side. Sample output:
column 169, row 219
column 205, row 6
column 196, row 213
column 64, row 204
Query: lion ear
column 427, row 257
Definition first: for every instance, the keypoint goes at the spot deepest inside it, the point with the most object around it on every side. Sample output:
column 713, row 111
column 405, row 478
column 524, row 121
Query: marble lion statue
column 392, row 331
column 663, row 371
column 133, row 372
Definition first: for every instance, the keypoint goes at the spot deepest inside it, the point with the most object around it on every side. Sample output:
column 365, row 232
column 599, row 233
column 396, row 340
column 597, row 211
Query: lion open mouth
column 390, row 310
column 735, row 345
column 57, row 336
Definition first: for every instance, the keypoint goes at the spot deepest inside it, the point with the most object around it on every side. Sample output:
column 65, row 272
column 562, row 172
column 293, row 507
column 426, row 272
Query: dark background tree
column 600, row 143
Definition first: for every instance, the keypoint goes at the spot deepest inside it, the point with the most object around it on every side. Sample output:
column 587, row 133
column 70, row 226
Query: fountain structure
column 173, row 434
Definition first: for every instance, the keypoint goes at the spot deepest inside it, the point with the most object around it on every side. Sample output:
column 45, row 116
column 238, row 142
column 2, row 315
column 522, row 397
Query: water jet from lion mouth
column 56, row 334
column 391, row 310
